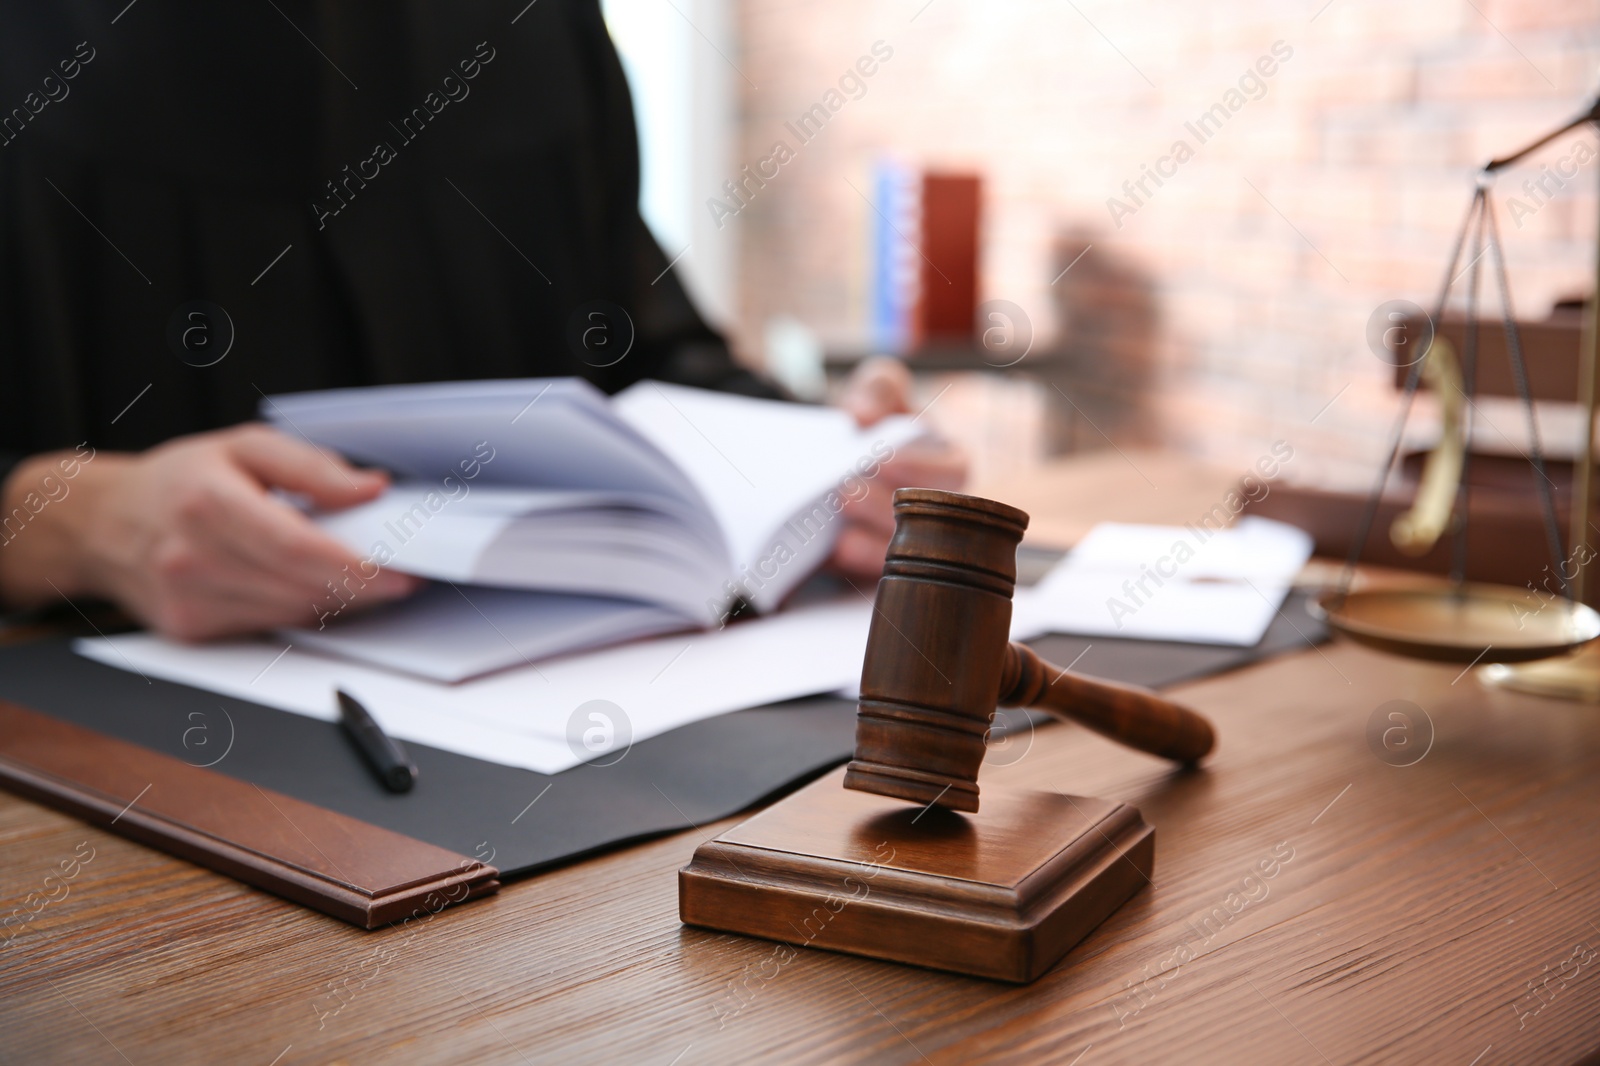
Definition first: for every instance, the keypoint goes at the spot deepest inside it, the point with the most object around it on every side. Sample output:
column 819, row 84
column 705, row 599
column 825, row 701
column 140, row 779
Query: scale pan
column 1470, row 623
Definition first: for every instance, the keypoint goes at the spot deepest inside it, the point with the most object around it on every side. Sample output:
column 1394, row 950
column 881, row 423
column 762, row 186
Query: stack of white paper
column 535, row 716
column 1169, row 583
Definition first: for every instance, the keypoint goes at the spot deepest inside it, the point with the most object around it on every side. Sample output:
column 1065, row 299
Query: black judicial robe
column 453, row 190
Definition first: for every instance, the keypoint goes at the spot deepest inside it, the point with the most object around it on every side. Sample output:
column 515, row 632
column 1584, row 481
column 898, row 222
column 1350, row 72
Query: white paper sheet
column 524, row 717
column 1169, row 583
column 449, row 634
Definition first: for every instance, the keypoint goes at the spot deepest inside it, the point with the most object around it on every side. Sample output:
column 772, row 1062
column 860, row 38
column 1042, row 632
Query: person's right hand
column 188, row 538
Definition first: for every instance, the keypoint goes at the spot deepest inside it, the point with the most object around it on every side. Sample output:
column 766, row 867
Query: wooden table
column 1445, row 911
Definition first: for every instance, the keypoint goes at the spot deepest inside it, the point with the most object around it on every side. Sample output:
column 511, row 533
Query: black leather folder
column 508, row 821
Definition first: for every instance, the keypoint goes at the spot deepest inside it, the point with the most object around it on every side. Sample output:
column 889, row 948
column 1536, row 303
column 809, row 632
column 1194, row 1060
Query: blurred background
column 948, row 162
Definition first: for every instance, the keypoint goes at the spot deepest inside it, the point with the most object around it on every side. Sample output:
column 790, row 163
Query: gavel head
column 940, row 627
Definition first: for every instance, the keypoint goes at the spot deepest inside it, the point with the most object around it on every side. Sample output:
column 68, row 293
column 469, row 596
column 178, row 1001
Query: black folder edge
column 525, row 822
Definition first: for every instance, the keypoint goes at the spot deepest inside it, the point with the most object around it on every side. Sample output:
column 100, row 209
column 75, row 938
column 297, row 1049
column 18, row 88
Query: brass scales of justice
column 1521, row 639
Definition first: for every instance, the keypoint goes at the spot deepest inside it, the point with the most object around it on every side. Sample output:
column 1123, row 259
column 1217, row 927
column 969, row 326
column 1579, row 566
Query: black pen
column 382, row 752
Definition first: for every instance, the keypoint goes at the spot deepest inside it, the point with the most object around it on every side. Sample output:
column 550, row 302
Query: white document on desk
column 1169, row 583
column 448, row 633
column 525, row 716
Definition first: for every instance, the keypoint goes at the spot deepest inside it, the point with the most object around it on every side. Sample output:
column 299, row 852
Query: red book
column 947, row 302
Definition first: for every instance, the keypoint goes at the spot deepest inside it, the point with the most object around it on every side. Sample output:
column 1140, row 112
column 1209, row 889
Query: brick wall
column 1256, row 264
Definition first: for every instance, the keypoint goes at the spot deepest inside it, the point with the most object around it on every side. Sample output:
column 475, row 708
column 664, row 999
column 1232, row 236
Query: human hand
column 187, row 537
column 879, row 388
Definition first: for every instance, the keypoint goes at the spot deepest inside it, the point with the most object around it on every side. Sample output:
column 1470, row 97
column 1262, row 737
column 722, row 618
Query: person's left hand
column 878, row 388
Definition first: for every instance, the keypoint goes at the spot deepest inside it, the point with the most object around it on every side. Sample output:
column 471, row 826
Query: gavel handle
column 1133, row 716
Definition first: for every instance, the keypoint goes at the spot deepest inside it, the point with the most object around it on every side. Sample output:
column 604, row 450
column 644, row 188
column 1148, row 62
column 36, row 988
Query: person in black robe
column 202, row 205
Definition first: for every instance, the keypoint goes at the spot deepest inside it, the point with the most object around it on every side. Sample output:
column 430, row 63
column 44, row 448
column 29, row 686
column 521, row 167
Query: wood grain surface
column 1312, row 903
column 1418, row 905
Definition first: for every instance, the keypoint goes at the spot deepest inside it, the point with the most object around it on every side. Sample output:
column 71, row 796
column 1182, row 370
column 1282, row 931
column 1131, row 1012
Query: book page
column 451, row 634
column 633, row 546
column 547, row 433
column 762, row 466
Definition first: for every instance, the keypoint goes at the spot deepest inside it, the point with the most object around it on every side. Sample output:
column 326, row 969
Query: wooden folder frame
column 361, row 873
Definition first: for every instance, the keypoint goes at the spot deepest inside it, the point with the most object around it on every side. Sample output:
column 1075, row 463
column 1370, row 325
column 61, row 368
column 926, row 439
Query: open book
column 655, row 509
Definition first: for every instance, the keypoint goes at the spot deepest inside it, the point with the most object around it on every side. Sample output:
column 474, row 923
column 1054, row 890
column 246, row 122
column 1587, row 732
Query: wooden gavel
column 939, row 661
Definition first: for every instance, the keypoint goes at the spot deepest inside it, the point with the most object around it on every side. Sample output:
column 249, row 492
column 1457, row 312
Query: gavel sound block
column 900, row 863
